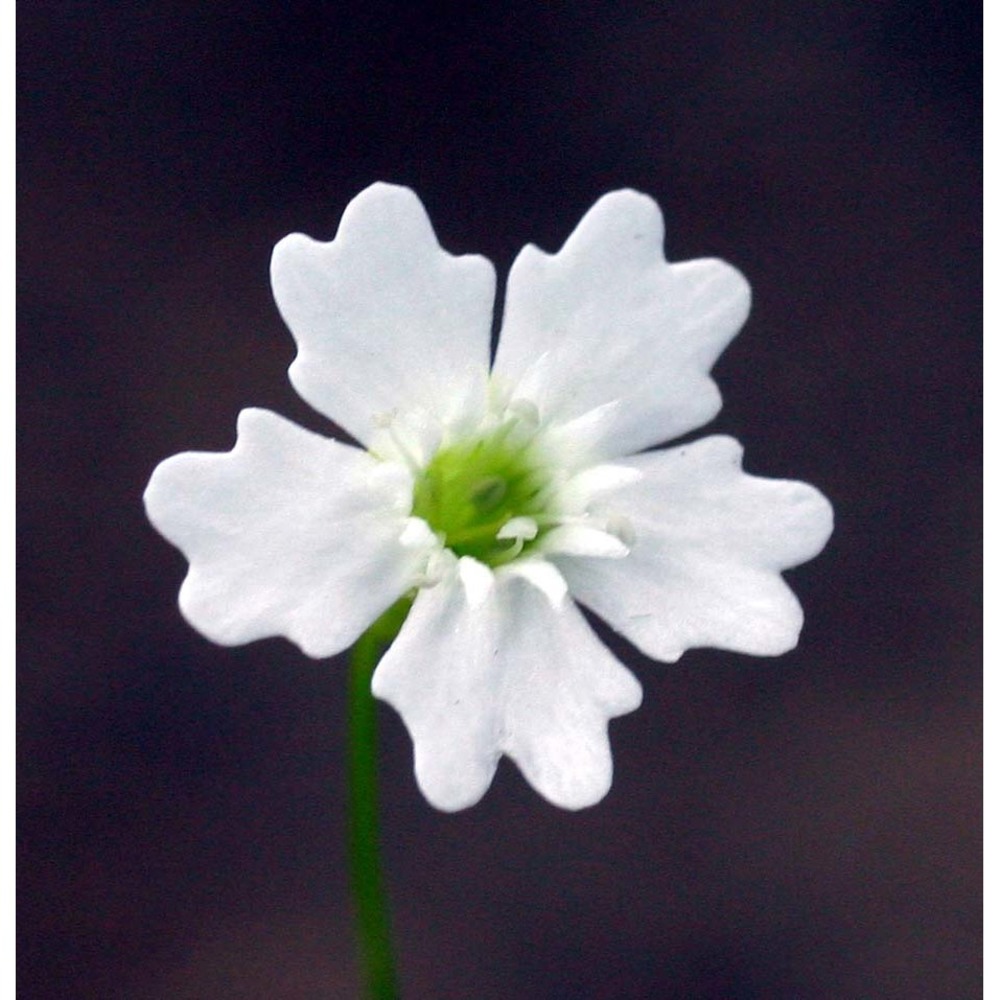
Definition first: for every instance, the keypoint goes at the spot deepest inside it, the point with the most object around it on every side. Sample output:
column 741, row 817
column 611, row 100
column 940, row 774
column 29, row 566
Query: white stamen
column 621, row 527
column 498, row 393
column 543, row 575
column 583, row 439
column 440, row 563
column 597, row 481
column 417, row 533
column 526, row 414
column 477, row 579
column 583, row 540
column 410, row 439
column 523, row 528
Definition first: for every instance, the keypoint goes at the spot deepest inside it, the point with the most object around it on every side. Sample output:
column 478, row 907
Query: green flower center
column 471, row 490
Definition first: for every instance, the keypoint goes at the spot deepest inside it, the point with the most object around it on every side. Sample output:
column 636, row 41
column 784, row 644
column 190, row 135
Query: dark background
column 801, row 828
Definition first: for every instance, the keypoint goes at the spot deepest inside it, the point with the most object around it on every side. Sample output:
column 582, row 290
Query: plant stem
column 371, row 912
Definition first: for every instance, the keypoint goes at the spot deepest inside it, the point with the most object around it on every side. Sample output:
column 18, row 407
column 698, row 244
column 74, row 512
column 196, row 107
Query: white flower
column 493, row 492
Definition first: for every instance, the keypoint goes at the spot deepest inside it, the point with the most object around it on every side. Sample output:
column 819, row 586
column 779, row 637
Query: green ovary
column 471, row 489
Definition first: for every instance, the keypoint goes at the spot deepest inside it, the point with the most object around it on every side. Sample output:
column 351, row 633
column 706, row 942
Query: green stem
column 371, row 912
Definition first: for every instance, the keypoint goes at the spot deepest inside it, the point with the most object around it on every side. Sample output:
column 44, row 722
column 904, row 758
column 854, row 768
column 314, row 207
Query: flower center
column 486, row 496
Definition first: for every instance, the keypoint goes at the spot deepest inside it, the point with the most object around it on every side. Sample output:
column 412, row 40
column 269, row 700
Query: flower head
column 496, row 496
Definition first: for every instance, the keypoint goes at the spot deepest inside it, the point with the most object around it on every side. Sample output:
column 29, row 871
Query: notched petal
column 441, row 675
column 474, row 678
column 385, row 320
column 710, row 544
column 290, row 533
column 563, row 686
column 613, row 321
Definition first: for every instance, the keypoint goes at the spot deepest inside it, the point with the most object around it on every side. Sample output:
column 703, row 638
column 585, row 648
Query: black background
column 789, row 829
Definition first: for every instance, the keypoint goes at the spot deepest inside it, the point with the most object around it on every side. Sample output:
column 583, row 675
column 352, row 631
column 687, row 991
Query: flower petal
column 290, row 533
column 441, row 675
column 607, row 318
column 513, row 675
column 385, row 320
column 563, row 685
column 710, row 542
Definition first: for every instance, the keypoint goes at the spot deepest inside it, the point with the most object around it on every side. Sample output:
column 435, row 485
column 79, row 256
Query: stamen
column 416, row 533
column 584, row 540
column 388, row 424
column 526, row 414
column 439, row 564
column 525, row 528
column 521, row 530
column 510, row 554
column 477, row 580
column 544, row 576
column 621, row 527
